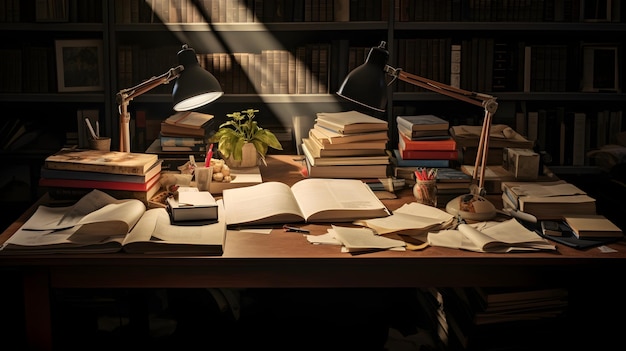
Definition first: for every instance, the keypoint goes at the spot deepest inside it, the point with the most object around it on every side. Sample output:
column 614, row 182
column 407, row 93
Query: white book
column 308, row 200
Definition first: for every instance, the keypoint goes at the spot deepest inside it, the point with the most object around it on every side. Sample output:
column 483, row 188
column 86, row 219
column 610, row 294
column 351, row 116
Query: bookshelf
column 139, row 42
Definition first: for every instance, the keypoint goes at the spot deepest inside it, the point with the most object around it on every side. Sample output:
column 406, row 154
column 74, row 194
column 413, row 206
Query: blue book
column 420, row 163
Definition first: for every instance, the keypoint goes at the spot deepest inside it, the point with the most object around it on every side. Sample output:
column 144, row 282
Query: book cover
column 351, row 122
column 405, row 143
column 592, row 226
column 192, row 206
column 423, row 134
column 423, row 122
column 98, row 184
column 100, row 176
column 101, row 161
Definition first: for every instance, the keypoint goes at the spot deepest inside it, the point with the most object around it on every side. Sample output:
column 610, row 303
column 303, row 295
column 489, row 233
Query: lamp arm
column 124, row 97
column 486, row 101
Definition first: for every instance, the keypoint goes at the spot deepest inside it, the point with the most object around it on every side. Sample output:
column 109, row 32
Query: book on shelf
column 547, row 200
column 328, row 136
column 101, row 176
column 423, row 122
column 191, row 205
column 99, row 184
column 346, row 171
column 350, row 122
column 317, row 160
column 423, row 134
column 308, row 200
column 189, row 119
column 592, row 226
column 98, row 223
column 405, row 143
column 357, row 145
column 101, row 161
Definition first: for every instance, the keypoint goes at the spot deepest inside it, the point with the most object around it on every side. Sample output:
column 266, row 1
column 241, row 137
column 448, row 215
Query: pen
column 288, row 228
column 91, row 131
column 209, row 156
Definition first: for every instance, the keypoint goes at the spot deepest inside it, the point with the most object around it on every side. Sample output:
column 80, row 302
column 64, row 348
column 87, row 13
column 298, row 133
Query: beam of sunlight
column 257, row 74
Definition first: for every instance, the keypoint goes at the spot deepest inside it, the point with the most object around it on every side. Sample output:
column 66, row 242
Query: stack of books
column 451, row 182
column 70, row 174
column 425, row 138
column 547, row 200
column 346, row 145
column 182, row 134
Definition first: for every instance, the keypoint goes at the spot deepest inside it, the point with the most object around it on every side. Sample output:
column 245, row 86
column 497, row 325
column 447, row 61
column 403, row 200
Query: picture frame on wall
column 79, row 65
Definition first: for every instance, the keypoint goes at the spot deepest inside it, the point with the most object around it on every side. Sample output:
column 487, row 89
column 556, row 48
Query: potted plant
column 241, row 141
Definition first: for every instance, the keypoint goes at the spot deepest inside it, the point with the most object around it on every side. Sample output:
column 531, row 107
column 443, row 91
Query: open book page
column 412, row 218
column 500, row 237
column 335, row 200
column 364, row 239
column 154, row 233
column 265, row 203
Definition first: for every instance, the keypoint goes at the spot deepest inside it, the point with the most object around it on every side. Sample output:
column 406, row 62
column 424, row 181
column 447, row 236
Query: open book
column 100, row 223
column 310, row 200
column 498, row 237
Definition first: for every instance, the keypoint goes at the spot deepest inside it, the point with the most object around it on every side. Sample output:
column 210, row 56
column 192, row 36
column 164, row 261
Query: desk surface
column 285, row 259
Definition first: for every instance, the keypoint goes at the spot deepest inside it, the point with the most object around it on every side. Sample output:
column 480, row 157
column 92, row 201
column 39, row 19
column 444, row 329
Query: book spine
column 429, row 155
column 96, row 184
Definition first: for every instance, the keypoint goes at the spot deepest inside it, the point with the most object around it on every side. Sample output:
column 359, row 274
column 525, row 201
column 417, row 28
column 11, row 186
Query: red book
column 98, row 184
column 429, row 155
column 441, row 145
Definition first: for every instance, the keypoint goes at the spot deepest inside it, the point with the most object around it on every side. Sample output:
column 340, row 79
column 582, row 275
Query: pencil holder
column 425, row 192
column 102, row 143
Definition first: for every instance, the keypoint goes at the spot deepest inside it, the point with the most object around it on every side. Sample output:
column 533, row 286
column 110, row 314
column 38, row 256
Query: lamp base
column 471, row 207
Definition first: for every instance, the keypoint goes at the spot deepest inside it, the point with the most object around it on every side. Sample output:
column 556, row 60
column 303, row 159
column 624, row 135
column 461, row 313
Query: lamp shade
column 367, row 85
column 195, row 87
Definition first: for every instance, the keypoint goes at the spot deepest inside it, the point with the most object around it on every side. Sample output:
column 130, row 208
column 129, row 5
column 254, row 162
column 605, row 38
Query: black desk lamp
column 367, row 85
column 194, row 88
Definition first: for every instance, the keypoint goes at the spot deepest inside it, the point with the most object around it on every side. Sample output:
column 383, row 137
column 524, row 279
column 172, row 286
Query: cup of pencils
column 425, row 188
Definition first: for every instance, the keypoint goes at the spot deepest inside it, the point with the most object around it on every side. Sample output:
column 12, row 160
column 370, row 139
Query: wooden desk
column 285, row 260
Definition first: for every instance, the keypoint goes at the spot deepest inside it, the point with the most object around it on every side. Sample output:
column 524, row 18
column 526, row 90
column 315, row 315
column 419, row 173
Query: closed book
column 452, row 155
column 347, row 171
column 592, row 226
column 401, row 162
column 360, row 145
column 423, row 122
column 191, row 205
column 179, row 131
column 405, row 143
column 180, row 141
column 101, row 161
column 98, row 184
column 73, row 194
column 99, row 176
column 195, row 148
column 343, row 160
column 423, row 134
column 328, row 136
column 318, row 151
column 189, row 119
column 351, row 122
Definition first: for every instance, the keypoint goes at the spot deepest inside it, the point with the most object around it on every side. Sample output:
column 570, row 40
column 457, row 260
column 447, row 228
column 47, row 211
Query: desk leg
column 37, row 310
